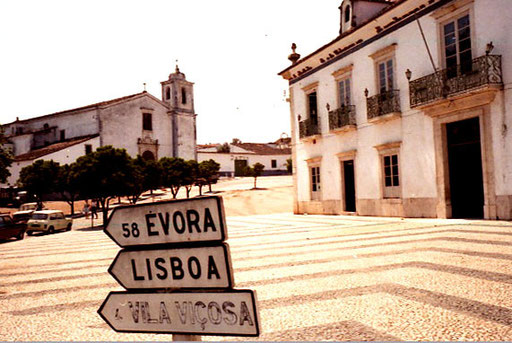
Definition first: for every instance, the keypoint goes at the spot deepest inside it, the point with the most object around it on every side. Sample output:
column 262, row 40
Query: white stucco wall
column 186, row 136
column 121, row 125
column 414, row 129
column 21, row 143
column 65, row 156
column 227, row 160
column 76, row 124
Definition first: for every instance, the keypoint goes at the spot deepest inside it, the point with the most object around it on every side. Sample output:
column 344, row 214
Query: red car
column 10, row 229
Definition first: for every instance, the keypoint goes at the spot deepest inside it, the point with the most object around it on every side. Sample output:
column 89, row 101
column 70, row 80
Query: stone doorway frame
column 440, row 119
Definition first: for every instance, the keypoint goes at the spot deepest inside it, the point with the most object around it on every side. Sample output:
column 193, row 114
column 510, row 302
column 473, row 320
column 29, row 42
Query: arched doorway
column 148, row 155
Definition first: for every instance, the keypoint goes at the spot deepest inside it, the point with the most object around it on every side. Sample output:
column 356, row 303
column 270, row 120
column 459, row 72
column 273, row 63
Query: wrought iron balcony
column 342, row 117
column 308, row 127
column 383, row 103
column 483, row 71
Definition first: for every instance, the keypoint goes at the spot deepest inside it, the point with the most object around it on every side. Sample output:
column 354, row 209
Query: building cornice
column 389, row 20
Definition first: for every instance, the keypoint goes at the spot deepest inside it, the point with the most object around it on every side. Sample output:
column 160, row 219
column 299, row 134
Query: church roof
column 254, row 148
column 263, row 149
column 50, row 149
column 98, row 104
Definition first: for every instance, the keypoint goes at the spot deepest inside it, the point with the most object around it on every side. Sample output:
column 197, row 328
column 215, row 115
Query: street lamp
column 408, row 74
column 489, row 48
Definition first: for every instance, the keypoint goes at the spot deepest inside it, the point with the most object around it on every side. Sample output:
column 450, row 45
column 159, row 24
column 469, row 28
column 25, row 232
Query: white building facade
column 272, row 157
column 140, row 123
column 407, row 112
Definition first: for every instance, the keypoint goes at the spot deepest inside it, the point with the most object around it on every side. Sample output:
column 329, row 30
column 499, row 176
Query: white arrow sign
column 185, row 220
column 230, row 313
column 202, row 267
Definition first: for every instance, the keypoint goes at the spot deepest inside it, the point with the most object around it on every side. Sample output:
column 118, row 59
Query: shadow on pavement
column 94, row 228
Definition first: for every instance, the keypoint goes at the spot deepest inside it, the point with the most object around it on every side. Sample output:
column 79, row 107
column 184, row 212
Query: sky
column 59, row 55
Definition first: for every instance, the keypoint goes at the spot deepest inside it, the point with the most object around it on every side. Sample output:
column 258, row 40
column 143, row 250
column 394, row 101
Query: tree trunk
column 71, row 204
column 210, row 187
column 104, row 210
column 255, row 182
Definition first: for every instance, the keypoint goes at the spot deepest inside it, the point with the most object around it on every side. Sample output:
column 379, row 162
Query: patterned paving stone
column 337, row 278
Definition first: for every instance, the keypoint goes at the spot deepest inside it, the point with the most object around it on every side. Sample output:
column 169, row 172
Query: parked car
column 22, row 216
column 29, row 206
column 48, row 221
column 10, row 229
column 25, row 212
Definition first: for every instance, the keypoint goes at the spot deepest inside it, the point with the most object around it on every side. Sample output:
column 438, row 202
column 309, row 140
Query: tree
column 135, row 181
column 209, row 172
column 105, row 174
column 151, row 173
column 254, row 171
column 236, row 141
column 6, row 159
column 224, row 148
column 173, row 171
column 39, row 179
column 68, row 184
column 190, row 175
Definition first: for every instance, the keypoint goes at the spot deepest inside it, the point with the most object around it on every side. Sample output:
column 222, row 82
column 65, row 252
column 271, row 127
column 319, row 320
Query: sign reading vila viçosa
column 232, row 312
column 177, row 221
column 199, row 267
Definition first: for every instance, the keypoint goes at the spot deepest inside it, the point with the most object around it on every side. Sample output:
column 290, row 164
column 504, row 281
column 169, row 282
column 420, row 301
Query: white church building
column 140, row 123
column 407, row 112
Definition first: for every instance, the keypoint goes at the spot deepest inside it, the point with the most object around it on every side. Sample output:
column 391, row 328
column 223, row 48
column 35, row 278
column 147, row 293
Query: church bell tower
column 178, row 94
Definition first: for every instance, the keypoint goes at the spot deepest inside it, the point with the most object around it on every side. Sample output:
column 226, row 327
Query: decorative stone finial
column 177, row 73
column 294, row 57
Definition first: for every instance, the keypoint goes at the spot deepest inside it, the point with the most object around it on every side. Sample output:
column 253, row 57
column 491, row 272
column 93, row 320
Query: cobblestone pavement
column 317, row 278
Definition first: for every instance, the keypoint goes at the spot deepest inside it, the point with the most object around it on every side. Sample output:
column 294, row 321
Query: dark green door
column 240, row 167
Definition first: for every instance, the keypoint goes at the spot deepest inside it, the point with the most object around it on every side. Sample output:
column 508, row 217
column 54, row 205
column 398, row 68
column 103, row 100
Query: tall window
column 62, row 135
column 167, row 93
column 88, row 148
column 315, row 183
column 312, row 107
column 344, row 92
column 273, row 163
column 391, row 177
column 457, row 45
column 183, row 95
column 385, row 69
column 147, row 123
column 347, row 14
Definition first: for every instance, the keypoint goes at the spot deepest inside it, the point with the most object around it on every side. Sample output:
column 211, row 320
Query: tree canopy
column 40, row 178
column 255, row 171
column 104, row 174
column 6, row 159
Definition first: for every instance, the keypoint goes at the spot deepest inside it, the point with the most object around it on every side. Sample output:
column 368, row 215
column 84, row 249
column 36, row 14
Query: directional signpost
column 203, row 267
column 178, row 272
column 176, row 221
column 222, row 313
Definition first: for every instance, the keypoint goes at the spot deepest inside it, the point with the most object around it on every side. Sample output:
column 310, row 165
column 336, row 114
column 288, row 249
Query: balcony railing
column 308, row 127
column 383, row 103
column 342, row 117
column 482, row 71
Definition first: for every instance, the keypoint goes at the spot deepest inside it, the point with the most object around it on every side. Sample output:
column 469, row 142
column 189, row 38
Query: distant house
column 140, row 123
column 272, row 155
